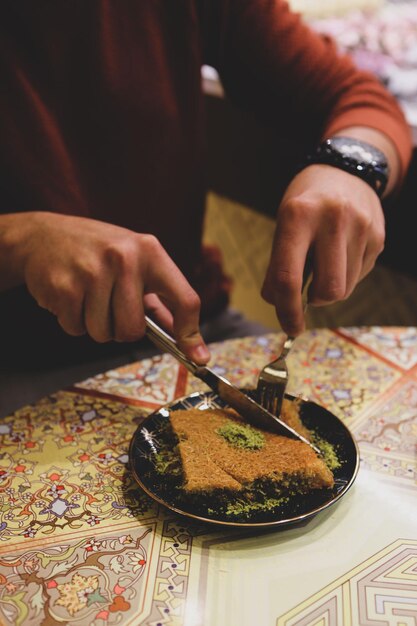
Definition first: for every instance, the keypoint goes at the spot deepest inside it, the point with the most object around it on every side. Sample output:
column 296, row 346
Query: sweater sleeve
column 272, row 63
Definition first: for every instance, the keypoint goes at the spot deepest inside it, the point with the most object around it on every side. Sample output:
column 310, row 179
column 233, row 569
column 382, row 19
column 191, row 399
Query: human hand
column 337, row 219
column 99, row 279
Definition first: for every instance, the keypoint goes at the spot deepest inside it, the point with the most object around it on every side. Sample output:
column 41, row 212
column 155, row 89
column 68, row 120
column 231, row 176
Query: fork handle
column 286, row 347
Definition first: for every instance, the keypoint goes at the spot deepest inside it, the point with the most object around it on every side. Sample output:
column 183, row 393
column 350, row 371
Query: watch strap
column 374, row 171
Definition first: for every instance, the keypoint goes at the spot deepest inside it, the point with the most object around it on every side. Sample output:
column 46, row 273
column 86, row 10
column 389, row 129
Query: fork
column 273, row 378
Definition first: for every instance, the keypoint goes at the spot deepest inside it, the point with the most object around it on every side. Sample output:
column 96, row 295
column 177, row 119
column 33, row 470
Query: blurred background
column 246, row 180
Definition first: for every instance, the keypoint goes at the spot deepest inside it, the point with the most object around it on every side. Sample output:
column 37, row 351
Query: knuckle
column 150, row 243
column 285, row 282
column 191, row 303
column 364, row 223
column 126, row 253
column 380, row 241
column 88, row 275
column 55, row 285
column 372, row 235
column 63, row 293
column 337, row 212
column 332, row 291
column 123, row 253
column 296, row 208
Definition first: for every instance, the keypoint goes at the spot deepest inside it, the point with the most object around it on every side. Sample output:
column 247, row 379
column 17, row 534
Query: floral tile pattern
column 398, row 345
column 151, row 382
column 63, row 468
column 337, row 374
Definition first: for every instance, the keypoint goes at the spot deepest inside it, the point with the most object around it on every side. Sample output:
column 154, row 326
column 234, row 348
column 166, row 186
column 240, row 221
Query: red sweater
column 102, row 114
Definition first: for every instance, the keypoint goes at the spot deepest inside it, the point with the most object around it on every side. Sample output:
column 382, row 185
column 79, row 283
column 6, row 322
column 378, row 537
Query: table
column 81, row 544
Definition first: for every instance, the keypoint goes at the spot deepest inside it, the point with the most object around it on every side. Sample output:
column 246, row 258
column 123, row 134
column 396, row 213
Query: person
column 102, row 173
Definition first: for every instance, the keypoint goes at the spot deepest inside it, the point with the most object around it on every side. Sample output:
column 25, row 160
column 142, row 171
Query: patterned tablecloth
column 81, row 544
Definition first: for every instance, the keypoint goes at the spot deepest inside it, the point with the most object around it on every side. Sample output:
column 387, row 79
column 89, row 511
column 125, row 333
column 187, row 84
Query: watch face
column 350, row 148
column 357, row 152
column 355, row 157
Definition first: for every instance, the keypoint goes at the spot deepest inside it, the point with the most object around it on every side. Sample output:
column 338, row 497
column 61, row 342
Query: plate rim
column 288, row 522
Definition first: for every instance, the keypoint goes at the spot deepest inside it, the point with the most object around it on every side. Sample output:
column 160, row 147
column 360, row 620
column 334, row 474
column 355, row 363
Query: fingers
column 143, row 271
column 63, row 298
column 374, row 245
column 192, row 343
column 159, row 312
column 71, row 319
column 283, row 282
column 163, row 316
column 330, row 261
column 286, row 297
column 344, row 239
column 163, row 278
column 97, row 310
column 127, row 309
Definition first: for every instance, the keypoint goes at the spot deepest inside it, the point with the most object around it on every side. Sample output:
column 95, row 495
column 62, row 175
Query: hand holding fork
column 273, row 378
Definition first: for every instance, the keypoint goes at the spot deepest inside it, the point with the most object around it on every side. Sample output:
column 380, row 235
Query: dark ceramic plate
column 154, row 435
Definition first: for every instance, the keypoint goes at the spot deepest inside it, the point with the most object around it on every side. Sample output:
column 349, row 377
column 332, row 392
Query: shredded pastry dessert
column 220, row 451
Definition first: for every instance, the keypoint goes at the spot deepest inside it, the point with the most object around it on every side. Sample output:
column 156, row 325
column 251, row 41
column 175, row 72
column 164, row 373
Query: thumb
column 193, row 345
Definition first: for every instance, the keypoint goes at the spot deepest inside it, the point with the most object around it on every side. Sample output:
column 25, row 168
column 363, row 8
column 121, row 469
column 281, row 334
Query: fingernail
column 201, row 353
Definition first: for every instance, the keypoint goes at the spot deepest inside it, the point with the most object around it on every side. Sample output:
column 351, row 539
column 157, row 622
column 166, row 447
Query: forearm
column 271, row 62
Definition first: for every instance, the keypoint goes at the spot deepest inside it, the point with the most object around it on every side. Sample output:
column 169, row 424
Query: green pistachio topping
column 241, row 436
column 245, row 508
column 328, row 451
column 168, row 461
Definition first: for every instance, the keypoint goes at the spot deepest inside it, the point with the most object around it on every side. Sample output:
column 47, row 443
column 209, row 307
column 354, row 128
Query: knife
column 246, row 406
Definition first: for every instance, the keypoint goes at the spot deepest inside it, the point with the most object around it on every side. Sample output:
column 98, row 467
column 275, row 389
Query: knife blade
column 246, row 406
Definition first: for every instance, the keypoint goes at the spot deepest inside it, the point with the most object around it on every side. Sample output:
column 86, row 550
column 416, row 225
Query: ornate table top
column 81, row 544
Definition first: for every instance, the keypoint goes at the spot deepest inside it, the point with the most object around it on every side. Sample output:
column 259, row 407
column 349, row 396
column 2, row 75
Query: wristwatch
column 354, row 156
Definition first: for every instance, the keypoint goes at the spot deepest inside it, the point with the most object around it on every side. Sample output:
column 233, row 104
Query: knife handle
column 167, row 344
